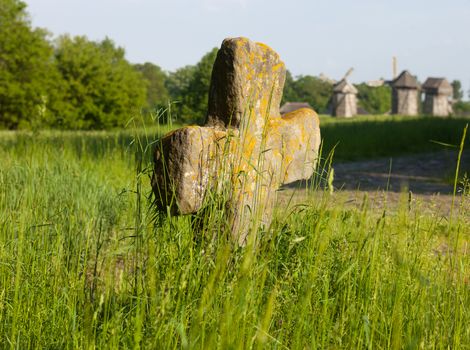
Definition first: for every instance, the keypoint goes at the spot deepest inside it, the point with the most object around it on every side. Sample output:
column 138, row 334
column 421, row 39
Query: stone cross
column 245, row 145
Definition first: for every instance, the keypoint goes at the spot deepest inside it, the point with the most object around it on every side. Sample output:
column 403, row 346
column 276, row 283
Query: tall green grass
column 365, row 137
column 83, row 265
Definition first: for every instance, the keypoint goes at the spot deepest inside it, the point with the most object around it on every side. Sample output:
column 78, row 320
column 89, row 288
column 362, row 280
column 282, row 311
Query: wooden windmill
column 344, row 101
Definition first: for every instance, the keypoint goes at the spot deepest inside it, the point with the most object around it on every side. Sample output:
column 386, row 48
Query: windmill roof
column 437, row 86
column 345, row 87
column 405, row 80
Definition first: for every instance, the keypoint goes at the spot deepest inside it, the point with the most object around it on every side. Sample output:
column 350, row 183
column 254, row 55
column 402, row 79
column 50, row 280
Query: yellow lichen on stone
column 246, row 143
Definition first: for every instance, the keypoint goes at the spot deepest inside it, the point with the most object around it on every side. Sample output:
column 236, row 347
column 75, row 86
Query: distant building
column 375, row 83
column 405, row 94
column 436, row 101
column 323, row 77
column 344, row 102
column 293, row 106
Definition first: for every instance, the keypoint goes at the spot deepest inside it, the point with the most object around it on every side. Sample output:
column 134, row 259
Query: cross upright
column 245, row 144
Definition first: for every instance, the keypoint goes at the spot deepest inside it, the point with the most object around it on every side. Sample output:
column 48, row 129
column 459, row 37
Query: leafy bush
column 375, row 100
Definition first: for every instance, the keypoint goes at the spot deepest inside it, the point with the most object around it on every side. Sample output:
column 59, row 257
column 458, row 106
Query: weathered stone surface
column 245, row 145
column 293, row 141
column 246, row 84
column 185, row 164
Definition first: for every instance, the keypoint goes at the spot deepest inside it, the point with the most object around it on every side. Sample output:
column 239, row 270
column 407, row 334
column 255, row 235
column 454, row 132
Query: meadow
column 85, row 261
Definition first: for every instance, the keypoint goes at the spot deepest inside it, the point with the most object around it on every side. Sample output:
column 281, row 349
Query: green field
column 83, row 265
column 382, row 136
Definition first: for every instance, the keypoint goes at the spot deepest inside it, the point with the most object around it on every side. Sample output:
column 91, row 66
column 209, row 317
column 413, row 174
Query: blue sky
column 429, row 38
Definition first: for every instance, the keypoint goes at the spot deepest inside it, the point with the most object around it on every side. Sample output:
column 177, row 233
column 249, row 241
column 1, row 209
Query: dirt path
column 430, row 173
column 421, row 180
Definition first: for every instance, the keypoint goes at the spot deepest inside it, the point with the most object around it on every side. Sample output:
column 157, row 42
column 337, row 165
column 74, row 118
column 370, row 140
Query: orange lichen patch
column 264, row 47
column 278, row 66
column 240, row 41
column 302, row 113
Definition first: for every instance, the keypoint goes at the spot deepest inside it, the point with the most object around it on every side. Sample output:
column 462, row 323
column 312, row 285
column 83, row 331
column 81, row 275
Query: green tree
column 157, row 93
column 198, row 93
column 102, row 89
column 375, row 100
column 289, row 93
column 177, row 85
column 28, row 78
column 189, row 87
column 461, row 108
column 314, row 91
column 457, row 92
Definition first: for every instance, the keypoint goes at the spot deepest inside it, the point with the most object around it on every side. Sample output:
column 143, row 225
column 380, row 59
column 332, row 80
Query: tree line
column 71, row 82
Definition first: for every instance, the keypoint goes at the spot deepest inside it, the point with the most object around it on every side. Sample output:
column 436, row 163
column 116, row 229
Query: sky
column 428, row 37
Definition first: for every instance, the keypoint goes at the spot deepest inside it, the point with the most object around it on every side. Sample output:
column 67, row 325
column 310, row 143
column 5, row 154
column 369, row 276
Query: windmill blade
column 348, row 73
